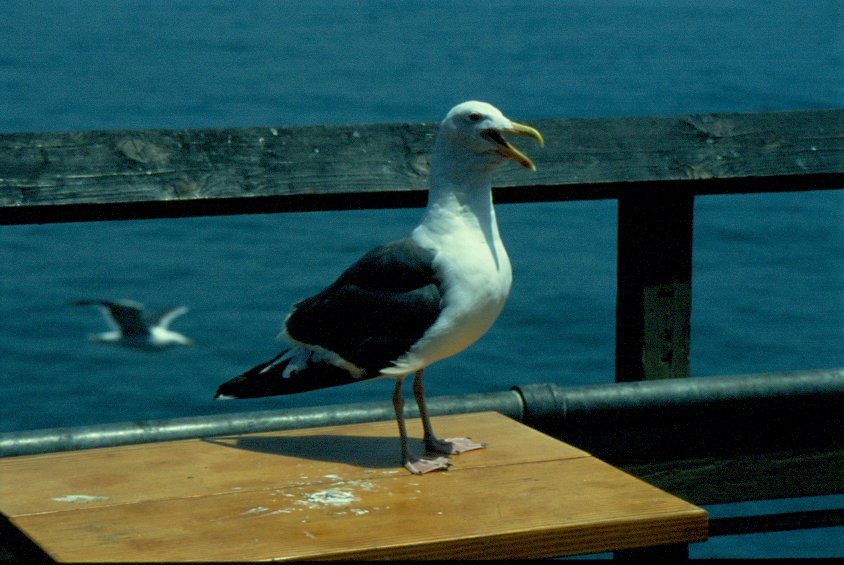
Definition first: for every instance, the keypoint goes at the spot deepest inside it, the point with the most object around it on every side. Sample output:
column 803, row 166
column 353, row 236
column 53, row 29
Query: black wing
column 376, row 310
column 125, row 315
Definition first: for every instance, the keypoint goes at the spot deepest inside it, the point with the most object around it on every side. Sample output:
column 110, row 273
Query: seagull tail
column 272, row 378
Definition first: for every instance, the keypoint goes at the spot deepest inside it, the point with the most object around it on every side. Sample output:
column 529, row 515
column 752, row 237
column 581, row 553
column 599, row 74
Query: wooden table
column 336, row 492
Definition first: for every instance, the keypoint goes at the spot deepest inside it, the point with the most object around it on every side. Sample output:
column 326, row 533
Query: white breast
column 476, row 278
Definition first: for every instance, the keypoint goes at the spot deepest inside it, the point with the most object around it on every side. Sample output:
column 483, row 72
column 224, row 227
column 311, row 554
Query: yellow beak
column 507, row 150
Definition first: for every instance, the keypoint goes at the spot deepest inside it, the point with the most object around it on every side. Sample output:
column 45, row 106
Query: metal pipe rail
column 629, row 422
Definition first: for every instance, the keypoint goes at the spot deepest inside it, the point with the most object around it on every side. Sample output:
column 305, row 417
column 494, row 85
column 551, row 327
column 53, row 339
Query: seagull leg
column 432, row 444
column 413, row 463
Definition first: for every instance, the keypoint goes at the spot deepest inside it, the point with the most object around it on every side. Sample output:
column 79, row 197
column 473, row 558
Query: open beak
column 510, row 152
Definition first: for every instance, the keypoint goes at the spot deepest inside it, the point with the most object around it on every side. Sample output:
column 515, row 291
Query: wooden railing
column 653, row 166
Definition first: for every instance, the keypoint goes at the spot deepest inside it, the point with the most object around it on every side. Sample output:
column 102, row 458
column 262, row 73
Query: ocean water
column 768, row 278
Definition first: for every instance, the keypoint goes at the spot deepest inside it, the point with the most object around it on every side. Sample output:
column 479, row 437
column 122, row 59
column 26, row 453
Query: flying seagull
column 134, row 328
column 409, row 303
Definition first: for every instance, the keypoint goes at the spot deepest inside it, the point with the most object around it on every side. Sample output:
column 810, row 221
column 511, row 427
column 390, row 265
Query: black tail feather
column 258, row 382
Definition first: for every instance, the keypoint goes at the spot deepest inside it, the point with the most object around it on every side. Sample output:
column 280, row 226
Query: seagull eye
column 474, row 117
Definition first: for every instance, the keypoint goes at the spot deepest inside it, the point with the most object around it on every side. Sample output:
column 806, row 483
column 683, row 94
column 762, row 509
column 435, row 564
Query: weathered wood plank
column 654, row 291
column 779, row 522
column 49, row 177
column 758, row 476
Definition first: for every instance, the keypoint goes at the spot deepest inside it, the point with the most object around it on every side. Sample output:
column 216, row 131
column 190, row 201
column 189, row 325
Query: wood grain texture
column 653, row 298
column 757, row 476
column 310, row 494
column 99, row 175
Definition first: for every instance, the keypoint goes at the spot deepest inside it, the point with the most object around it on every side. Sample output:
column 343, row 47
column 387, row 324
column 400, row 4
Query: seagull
column 134, row 328
column 409, row 303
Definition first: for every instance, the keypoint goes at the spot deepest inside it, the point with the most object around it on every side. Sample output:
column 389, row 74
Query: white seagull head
column 475, row 132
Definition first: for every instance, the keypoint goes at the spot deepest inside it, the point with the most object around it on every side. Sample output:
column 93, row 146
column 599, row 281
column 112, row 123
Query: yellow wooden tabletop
column 337, row 492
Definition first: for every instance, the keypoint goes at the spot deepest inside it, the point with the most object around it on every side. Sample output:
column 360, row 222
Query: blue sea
column 768, row 289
